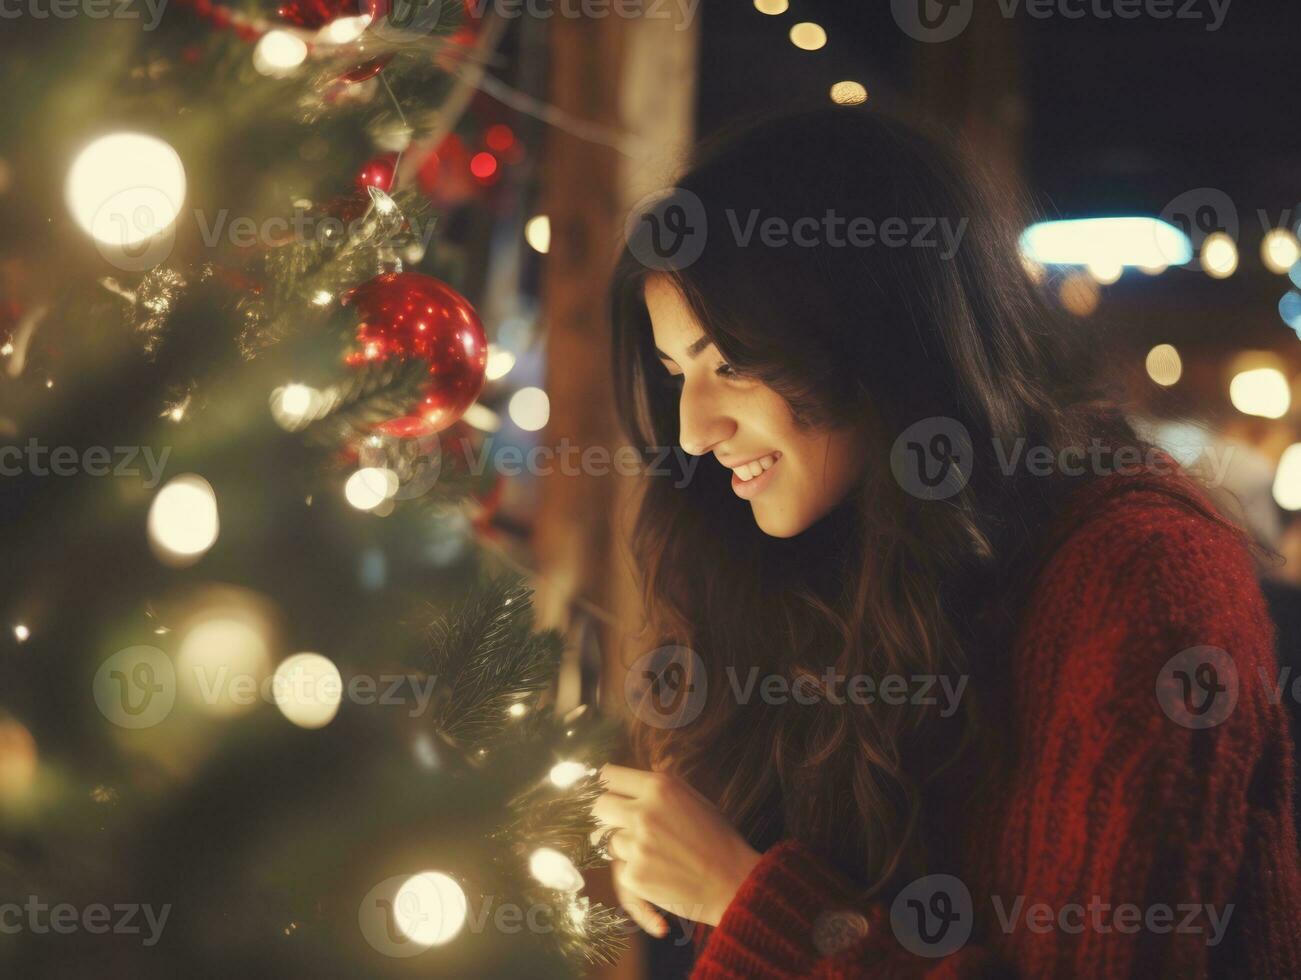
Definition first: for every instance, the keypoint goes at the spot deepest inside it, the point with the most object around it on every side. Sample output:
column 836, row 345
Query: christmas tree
column 264, row 705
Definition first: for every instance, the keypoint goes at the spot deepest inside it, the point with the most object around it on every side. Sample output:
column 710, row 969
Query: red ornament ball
column 377, row 172
column 411, row 315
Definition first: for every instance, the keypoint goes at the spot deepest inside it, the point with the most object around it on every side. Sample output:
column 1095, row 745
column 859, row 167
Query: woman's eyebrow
column 697, row 345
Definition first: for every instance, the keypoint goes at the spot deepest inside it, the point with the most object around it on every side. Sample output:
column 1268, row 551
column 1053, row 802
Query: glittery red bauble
column 406, row 315
column 377, row 172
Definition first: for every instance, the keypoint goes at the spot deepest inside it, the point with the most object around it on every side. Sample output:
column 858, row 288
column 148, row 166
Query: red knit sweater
column 1119, row 825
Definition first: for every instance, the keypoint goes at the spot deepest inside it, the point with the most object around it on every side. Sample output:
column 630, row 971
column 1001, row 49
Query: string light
column 125, row 188
column 279, row 53
column 344, row 30
column 21, row 633
column 565, row 774
column 1262, row 392
column 183, row 522
column 808, row 36
column 1287, row 479
column 500, row 362
column 529, row 409
column 294, row 405
column 849, row 93
column 1219, row 255
column 370, row 486
column 537, row 232
column 1105, row 271
column 772, row 7
column 223, row 659
column 1164, row 365
column 1079, row 294
column 308, row 690
column 553, row 870
column 430, row 908
column 1280, row 251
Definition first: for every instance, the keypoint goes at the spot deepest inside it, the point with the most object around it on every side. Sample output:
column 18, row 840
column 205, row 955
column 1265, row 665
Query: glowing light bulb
column 1261, row 391
column 279, row 53
column 1280, row 250
column 500, row 361
column 430, row 908
column 1287, row 479
column 1219, row 255
column 553, row 870
column 537, row 232
column 1164, row 365
column 849, row 93
column 808, row 36
column 772, row 7
column 183, row 522
column 565, row 774
column 21, row 633
column 370, row 486
column 308, row 690
column 529, row 409
column 125, row 188
column 1106, row 271
column 344, row 30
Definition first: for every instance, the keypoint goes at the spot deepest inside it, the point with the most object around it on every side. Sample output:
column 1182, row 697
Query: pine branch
column 487, row 658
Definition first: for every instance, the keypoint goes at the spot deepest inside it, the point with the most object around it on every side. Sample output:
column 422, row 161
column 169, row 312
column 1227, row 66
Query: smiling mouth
column 750, row 479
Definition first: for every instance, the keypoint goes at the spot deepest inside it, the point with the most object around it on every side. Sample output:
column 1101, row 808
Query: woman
column 978, row 681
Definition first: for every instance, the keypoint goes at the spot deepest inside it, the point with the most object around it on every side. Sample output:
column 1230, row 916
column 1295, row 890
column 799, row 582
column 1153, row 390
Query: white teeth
column 749, row 471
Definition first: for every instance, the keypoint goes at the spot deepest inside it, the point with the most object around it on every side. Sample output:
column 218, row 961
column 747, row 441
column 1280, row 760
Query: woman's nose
column 702, row 422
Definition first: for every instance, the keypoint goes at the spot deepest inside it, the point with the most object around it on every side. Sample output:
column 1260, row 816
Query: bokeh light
column 183, row 522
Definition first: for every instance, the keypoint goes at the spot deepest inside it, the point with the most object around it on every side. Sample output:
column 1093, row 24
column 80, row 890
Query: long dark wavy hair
column 887, row 583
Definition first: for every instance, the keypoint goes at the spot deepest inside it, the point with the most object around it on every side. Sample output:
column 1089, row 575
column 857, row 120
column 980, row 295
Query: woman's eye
column 726, row 370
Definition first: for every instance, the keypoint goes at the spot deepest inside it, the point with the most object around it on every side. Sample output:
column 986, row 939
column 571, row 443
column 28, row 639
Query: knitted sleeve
column 1154, row 771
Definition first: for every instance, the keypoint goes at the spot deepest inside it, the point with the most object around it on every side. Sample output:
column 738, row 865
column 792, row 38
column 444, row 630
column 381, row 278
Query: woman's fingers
column 638, row 909
column 613, row 810
column 626, row 781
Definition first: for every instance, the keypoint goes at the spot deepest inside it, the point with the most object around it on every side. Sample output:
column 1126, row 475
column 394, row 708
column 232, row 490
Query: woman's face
column 791, row 475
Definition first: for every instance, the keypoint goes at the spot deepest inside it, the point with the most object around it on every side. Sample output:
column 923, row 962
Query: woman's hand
column 672, row 848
